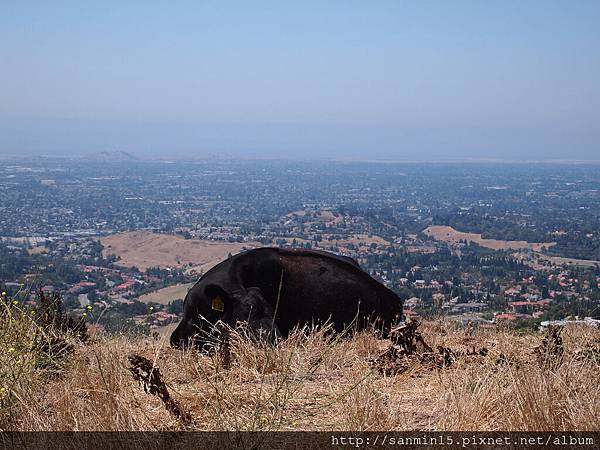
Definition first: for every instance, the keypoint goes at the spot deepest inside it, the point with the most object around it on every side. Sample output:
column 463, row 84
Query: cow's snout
column 181, row 336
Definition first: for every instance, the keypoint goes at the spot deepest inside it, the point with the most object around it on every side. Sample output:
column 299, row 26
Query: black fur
column 312, row 287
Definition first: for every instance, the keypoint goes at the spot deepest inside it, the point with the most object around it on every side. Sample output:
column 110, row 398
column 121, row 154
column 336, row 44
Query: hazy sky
column 371, row 79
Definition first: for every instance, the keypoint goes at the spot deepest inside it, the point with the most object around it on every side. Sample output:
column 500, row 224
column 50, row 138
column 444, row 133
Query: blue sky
column 356, row 79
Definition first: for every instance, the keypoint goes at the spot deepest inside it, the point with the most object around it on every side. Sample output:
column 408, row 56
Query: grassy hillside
column 53, row 379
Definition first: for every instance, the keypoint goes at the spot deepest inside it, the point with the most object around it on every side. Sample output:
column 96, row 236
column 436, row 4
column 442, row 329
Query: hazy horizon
column 341, row 80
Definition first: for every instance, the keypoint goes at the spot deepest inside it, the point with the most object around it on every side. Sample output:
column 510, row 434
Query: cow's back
column 316, row 287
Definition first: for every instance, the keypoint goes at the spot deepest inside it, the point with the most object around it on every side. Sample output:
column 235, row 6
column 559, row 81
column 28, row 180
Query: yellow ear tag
column 217, row 304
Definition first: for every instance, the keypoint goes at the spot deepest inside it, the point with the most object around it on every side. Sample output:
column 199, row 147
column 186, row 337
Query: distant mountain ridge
column 111, row 156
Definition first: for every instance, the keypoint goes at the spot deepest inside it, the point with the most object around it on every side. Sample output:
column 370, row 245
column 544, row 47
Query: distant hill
column 115, row 156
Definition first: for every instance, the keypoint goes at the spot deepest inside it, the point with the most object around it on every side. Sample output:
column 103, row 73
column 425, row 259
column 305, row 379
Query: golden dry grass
column 317, row 381
column 38, row 250
column 166, row 295
column 143, row 249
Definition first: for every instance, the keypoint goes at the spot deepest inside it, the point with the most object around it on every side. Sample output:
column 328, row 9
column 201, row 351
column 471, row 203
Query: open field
column 324, row 215
column 452, row 236
column 559, row 261
column 143, row 249
column 488, row 380
column 166, row 295
column 39, row 250
column 540, row 261
column 420, row 249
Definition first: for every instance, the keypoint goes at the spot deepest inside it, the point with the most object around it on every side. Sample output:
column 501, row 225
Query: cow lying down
column 312, row 287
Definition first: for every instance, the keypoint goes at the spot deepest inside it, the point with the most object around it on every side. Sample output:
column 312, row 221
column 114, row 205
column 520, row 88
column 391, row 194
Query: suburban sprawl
column 122, row 239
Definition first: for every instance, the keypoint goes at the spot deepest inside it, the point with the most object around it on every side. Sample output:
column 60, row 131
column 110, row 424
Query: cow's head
column 203, row 312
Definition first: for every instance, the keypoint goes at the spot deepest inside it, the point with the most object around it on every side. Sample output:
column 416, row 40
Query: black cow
column 312, row 287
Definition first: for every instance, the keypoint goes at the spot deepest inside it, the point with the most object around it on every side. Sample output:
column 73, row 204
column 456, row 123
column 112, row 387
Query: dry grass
column 314, row 381
column 143, row 249
column 166, row 295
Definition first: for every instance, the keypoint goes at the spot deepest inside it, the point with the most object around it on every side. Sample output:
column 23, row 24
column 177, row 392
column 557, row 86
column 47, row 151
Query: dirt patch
column 38, row 250
column 545, row 261
column 323, row 215
column 166, row 295
column 421, row 249
column 143, row 249
column 452, row 236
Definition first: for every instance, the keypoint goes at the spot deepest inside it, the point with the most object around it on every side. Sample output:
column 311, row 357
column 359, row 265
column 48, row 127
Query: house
column 434, row 284
column 588, row 321
column 526, row 307
column 412, row 302
column 410, row 314
column 513, row 291
column 468, row 307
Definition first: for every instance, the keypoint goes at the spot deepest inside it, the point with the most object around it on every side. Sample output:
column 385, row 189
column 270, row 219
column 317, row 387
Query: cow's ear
column 218, row 298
